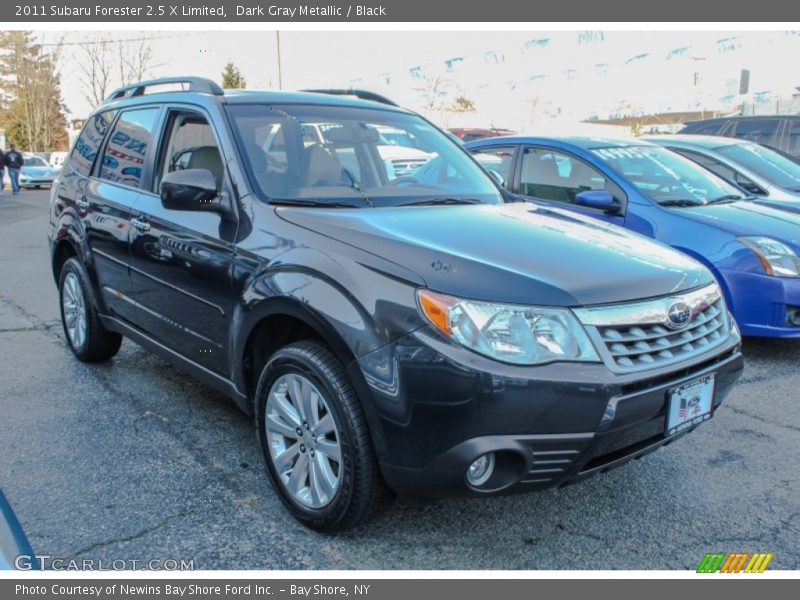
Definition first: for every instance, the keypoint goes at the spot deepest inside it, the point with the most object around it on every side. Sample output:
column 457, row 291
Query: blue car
column 751, row 248
column 771, row 177
column 13, row 542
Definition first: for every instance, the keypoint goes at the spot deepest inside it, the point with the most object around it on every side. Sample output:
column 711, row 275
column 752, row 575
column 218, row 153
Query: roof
column 709, row 142
column 582, row 142
column 254, row 97
column 745, row 118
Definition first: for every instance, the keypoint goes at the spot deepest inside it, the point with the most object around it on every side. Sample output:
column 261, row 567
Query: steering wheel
column 404, row 179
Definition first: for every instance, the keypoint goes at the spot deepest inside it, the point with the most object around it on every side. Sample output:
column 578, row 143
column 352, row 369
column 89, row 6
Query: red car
column 471, row 134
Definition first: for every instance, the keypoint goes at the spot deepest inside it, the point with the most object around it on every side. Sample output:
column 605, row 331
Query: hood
column 38, row 170
column 517, row 253
column 750, row 218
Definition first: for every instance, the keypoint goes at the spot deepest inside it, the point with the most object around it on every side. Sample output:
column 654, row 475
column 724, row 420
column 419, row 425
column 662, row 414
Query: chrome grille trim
column 406, row 166
column 639, row 335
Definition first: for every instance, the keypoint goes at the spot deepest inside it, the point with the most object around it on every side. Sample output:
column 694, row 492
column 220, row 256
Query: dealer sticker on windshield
column 690, row 405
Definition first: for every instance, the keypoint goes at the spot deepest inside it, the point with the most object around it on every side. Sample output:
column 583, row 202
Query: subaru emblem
column 679, row 314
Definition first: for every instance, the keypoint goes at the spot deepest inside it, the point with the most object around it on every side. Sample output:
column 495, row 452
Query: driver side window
column 190, row 144
column 559, row 177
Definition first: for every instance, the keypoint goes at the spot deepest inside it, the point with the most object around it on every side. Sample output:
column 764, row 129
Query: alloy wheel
column 74, row 305
column 304, row 443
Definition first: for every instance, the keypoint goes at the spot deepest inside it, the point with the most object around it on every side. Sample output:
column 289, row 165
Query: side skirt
column 199, row 372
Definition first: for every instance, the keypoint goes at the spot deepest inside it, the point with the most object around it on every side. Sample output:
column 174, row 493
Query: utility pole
column 280, row 74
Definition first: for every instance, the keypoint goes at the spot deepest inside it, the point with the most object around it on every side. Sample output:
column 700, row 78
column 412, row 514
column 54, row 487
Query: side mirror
column 190, row 189
column 600, row 199
column 497, row 177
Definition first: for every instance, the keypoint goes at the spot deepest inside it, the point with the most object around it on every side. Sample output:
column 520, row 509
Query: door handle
column 83, row 203
column 140, row 225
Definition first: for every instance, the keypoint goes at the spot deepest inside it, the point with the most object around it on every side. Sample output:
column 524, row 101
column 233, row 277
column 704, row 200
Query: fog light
column 479, row 471
column 793, row 316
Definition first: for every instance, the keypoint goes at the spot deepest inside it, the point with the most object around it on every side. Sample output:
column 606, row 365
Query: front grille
column 638, row 336
column 651, row 345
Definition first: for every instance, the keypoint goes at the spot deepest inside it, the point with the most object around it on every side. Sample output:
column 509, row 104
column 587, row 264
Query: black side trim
column 190, row 367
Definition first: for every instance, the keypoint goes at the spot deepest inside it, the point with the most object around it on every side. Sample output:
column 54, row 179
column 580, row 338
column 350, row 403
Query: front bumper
column 760, row 303
column 441, row 407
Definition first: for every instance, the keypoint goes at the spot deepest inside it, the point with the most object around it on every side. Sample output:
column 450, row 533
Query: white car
column 36, row 173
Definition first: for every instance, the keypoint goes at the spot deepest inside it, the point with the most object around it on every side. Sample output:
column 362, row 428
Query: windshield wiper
column 726, row 198
column 354, row 185
column 315, row 203
column 682, row 202
column 441, row 201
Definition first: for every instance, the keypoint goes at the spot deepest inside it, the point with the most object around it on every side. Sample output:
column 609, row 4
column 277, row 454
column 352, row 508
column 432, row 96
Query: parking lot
column 134, row 460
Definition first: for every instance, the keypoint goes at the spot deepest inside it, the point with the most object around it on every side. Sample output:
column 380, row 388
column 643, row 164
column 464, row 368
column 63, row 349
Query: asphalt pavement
column 134, row 460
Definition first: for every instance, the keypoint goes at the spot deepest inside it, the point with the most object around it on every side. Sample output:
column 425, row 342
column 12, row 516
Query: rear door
column 181, row 260
column 108, row 197
column 557, row 177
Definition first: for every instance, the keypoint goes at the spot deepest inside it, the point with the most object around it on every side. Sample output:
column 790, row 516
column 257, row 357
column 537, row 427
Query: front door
column 181, row 260
column 556, row 178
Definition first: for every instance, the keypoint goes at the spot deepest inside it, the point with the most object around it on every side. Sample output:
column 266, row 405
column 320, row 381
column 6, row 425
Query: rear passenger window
column 499, row 160
column 760, row 131
column 128, row 147
column 85, row 151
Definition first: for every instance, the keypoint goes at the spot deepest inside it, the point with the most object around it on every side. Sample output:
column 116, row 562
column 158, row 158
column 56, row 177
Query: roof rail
column 362, row 94
column 196, row 84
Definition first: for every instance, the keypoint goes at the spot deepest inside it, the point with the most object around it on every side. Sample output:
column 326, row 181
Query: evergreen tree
column 30, row 92
column 232, row 77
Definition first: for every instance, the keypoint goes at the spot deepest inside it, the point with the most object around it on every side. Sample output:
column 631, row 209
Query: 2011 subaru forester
column 419, row 333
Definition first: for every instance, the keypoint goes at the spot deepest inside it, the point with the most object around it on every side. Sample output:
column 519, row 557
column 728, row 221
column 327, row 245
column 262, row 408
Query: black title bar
column 396, row 11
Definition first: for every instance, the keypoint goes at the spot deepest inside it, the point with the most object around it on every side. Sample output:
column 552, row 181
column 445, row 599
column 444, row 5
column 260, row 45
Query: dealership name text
column 201, row 10
column 181, row 591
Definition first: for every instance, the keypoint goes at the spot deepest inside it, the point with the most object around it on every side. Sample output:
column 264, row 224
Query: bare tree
column 106, row 63
column 136, row 61
column 96, row 69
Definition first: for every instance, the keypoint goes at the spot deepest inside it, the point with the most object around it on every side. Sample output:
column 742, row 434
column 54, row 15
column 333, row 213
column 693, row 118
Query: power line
column 121, row 40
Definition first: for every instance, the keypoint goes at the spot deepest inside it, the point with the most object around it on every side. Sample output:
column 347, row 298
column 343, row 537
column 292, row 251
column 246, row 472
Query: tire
column 359, row 492
column 86, row 336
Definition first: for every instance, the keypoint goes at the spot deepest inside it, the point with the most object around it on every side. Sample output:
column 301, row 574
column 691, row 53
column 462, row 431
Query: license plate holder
column 690, row 404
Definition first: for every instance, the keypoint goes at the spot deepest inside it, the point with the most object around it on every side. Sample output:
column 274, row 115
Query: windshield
column 773, row 167
column 354, row 156
column 666, row 177
column 35, row 161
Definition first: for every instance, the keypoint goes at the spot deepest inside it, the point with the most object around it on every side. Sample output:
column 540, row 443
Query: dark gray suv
column 393, row 328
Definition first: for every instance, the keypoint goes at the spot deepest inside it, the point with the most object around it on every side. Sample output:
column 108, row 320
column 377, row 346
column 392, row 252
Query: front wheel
column 315, row 439
column 86, row 336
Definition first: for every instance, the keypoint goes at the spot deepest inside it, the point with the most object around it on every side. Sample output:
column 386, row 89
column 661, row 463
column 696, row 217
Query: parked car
column 418, row 335
column 777, row 131
column 13, row 542
column 57, row 159
column 36, row 173
column 752, row 249
column 398, row 149
column 770, row 176
column 470, row 134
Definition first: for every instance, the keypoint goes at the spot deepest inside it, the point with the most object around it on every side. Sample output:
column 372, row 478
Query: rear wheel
column 315, row 440
column 86, row 336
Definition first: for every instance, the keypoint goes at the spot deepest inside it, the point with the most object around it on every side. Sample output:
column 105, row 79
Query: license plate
column 690, row 405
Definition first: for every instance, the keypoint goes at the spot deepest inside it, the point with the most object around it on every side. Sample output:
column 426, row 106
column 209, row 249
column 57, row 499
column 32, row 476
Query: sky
column 521, row 80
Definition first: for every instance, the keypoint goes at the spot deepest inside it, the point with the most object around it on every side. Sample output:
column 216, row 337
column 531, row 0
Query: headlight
column 524, row 335
column 776, row 257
